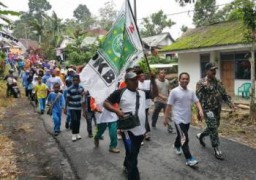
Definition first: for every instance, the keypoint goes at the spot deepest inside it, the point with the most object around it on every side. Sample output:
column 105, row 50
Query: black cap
column 210, row 66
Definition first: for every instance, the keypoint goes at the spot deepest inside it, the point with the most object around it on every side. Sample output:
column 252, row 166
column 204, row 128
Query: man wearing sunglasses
column 211, row 93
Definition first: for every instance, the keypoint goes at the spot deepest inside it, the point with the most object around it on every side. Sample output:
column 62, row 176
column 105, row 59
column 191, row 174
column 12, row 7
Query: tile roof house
column 221, row 43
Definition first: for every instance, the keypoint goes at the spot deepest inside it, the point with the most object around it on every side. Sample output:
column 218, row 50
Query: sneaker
column 78, row 137
column 114, row 150
column 56, row 133
column 90, row 136
column 67, row 125
column 73, row 137
column 191, row 162
column 147, row 137
column 42, row 112
column 96, row 142
column 201, row 140
column 119, row 137
column 142, row 143
column 218, row 154
column 170, row 129
column 101, row 138
column 125, row 170
column 177, row 150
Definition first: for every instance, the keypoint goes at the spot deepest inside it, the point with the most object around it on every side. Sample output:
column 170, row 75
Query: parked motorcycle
column 12, row 87
column 15, row 91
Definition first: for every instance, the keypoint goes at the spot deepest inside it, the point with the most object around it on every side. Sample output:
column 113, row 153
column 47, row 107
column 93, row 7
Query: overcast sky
column 65, row 8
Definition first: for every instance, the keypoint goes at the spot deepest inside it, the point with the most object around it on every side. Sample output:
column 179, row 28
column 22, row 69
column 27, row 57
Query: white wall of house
column 190, row 63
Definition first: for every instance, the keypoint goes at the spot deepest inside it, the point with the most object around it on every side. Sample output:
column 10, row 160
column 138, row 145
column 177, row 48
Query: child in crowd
column 57, row 100
column 41, row 94
column 74, row 104
column 89, row 113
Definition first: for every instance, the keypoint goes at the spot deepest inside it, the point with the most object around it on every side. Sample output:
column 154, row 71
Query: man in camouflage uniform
column 211, row 92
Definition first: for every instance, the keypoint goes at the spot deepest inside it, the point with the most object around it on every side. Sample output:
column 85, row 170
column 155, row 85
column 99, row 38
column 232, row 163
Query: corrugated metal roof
column 154, row 41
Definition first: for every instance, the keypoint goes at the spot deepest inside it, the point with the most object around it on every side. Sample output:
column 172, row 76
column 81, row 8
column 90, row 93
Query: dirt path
column 27, row 151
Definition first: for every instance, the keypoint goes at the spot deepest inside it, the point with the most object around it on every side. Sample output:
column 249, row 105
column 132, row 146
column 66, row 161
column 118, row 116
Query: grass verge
column 8, row 168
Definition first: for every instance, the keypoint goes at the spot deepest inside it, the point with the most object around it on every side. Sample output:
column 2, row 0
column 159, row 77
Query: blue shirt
column 74, row 96
column 60, row 102
column 20, row 63
column 69, row 80
column 25, row 80
column 45, row 78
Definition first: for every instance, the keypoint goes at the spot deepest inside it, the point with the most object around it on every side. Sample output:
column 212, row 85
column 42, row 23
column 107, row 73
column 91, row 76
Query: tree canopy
column 82, row 12
column 38, row 6
column 205, row 12
column 184, row 2
column 107, row 15
column 155, row 24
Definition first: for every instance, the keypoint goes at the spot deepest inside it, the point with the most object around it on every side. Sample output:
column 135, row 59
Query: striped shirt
column 74, row 96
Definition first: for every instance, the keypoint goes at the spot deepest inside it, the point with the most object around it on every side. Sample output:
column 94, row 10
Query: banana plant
column 4, row 13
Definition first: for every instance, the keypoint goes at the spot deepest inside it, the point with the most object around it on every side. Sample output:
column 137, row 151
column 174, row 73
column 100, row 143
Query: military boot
column 218, row 154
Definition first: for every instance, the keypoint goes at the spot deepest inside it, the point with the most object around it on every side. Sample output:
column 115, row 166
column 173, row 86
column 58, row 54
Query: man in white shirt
column 179, row 103
column 132, row 138
column 145, row 86
column 53, row 80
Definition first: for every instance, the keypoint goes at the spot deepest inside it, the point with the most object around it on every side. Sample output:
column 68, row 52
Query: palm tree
column 3, row 14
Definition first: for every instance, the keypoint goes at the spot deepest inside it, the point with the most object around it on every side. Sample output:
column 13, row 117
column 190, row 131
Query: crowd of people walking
column 57, row 90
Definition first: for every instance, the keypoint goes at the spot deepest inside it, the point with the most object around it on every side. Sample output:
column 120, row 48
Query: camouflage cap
column 210, row 66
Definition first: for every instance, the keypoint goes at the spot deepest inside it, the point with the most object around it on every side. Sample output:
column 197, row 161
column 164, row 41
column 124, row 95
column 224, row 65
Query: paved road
column 157, row 159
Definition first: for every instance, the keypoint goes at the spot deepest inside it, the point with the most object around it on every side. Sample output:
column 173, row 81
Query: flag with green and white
column 119, row 49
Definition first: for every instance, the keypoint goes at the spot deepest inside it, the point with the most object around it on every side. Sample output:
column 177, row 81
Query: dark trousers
column 132, row 145
column 212, row 120
column 26, row 92
column 8, row 90
column 90, row 116
column 182, row 139
column 75, row 120
column 158, row 107
column 30, row 95
column 147, row 126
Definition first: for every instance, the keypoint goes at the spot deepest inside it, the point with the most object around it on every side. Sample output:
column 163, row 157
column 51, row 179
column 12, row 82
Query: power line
column 188, row 11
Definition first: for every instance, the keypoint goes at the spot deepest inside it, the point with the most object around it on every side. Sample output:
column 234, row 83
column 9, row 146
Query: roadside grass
column 8, row 168
column 4, row 101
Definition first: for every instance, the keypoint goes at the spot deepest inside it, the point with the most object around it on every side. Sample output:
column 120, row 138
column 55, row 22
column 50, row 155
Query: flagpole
column 135, row 10
column 145, row 56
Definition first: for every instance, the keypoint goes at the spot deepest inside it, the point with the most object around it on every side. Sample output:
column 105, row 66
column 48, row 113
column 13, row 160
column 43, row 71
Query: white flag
column 120, row 48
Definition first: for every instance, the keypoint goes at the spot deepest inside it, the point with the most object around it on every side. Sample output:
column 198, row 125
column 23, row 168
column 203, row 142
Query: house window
column 242, row 69
column 242, row 66
column 204, row 59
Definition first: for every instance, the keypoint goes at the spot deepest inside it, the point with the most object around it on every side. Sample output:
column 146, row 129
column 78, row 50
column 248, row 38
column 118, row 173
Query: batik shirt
column 212, row 94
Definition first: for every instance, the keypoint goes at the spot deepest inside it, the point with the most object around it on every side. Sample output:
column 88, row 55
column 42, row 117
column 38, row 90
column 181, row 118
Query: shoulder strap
column 122, row 92
column 56, row 98
column 137, row 103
